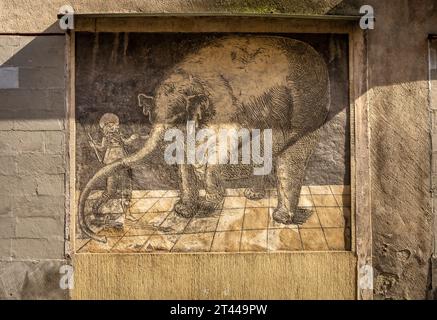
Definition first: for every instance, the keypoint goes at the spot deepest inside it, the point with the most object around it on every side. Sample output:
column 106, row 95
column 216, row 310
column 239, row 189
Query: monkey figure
column 118, row 185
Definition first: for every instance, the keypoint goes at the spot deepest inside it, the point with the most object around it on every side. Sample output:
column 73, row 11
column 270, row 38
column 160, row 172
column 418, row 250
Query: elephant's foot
column 214, row 197
column 282, row 215
column 210, row 203
column 184, row 209
column 254, row 194
column 301, row 216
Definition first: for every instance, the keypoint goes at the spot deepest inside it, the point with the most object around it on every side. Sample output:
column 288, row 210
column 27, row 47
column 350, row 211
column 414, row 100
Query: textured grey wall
column 32, row 166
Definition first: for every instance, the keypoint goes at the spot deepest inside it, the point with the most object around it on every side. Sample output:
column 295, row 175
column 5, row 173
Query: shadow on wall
column 32, row 113
column 33, row 81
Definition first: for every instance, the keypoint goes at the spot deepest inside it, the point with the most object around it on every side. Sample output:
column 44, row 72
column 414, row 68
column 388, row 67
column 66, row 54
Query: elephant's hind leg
column 189, row 192
column 290, row 171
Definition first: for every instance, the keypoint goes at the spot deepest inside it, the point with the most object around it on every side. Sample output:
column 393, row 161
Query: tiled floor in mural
column 241, row 225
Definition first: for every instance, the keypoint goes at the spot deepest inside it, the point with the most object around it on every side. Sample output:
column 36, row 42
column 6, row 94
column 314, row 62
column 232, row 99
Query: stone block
column 17, row 186
column 37, row 249
column 9, row 41
column 8, row 165
column 39, row 124
column 6, row 124
column 32, row 109
column 42, row 78
column 24, row 99
column 6, row 203
column 54, row 142
column 40, row 228
column 56, row 105
column 13, row 142
column 5, row 251
column 34, row 164
column 50, row 185
column 7, row 227
column 9, row 77
column 38, row 206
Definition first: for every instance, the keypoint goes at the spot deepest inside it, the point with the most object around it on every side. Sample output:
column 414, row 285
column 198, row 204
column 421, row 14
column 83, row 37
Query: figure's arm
column 131, row 139
column 100, row 146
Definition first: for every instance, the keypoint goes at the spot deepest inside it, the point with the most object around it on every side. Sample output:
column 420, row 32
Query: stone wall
column 32, row 165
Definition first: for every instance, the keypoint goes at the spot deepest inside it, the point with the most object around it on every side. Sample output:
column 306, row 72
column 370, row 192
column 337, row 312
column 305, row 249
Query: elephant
column 238, row 81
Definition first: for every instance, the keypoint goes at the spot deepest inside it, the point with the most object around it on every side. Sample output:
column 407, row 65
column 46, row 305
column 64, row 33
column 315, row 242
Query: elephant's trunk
column 150, row 145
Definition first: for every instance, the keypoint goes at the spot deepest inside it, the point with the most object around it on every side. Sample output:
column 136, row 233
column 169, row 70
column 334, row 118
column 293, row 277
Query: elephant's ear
column 146, row 103
column 198, row 108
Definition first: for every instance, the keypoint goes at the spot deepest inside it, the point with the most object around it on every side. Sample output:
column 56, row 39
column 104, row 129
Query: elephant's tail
column 150, row 145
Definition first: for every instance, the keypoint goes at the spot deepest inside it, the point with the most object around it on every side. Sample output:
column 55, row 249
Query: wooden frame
column 432, row 94
column 432, row 101
column 358, row 262
column 70, row 144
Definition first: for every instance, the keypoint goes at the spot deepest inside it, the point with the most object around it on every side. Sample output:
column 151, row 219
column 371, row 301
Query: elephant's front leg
column 189, row 192
column 214, row 190
column 257, row 191
column 290, row 171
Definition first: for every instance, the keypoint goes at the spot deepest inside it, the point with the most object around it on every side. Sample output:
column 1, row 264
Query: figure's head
column 109, row 123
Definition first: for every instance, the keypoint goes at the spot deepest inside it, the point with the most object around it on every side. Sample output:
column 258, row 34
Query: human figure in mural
column 119, row 184
column 253, row 82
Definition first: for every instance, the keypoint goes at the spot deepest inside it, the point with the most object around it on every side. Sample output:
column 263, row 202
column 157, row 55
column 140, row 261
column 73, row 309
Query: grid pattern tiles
column 240, row 225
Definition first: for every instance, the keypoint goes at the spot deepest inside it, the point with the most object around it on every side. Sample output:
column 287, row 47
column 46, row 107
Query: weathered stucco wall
column 400, row 147
column 399, row 123
column 37, row 16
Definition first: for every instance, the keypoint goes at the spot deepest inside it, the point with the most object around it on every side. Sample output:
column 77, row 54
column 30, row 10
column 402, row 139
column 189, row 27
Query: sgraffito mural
column 212, row 143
